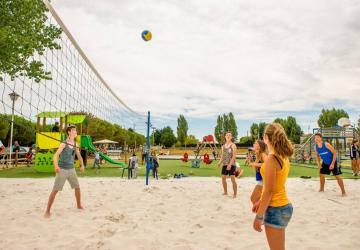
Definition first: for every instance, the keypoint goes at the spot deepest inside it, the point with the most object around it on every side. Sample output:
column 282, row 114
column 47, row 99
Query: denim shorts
column 278, row 217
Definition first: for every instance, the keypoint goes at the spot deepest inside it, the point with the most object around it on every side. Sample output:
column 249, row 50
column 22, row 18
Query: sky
column 258, row 59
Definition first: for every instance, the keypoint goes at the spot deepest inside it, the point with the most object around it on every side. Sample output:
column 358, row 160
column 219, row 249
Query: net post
column 148, row 150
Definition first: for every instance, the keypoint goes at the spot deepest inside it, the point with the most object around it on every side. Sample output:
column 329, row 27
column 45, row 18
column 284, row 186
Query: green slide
column 86, row 143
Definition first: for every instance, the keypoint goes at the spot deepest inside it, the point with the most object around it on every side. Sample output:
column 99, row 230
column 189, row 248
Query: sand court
column 188, row 213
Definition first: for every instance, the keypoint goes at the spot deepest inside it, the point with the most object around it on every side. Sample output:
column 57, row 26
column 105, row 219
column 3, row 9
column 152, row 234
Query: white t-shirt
column 134, row 159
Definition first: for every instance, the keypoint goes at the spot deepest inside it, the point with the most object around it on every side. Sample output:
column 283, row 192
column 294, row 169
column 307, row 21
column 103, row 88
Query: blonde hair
column 278, row 140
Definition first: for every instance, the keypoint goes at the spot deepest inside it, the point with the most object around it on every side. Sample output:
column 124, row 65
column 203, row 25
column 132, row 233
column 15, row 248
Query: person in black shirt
column 56, row 127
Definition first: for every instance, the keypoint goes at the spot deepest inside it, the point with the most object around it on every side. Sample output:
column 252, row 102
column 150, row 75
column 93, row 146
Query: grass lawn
column 167, row 167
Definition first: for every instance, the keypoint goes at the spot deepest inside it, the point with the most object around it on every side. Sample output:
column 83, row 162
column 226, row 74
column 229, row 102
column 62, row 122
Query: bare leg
column 78, row 198
column 50, row 203
column 233, row 180
column 223, row 178
column 354, row 166
column 256, row 194
column 322, row 183
column 275, row 238
column 341, row 184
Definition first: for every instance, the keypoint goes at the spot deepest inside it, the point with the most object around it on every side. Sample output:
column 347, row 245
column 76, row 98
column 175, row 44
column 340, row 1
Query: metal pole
column 12, row 129
column 134, row 138
column 148, row 150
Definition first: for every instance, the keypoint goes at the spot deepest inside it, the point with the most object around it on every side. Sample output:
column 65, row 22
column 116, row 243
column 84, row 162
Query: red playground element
column 185, row 158
column 207, row 159
column 207, row 143
column 208, row 138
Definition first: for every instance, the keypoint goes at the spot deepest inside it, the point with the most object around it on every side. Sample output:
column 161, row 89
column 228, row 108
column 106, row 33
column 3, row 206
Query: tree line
column 24, row 131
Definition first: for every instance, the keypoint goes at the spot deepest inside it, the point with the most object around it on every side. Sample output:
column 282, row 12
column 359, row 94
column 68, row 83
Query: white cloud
column 254, row 58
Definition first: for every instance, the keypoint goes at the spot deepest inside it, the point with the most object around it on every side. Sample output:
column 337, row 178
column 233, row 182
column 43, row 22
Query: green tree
column 226, row 124
column 4, row 129
column 168, row 138
column 232, row 126
column 219, row 129
column 157, row 136
column 246, row 141
column 329, row 117
column 281, row 121
column 262, row 126
column 24, row 130
column 257, row 130
column 120, row 135
column 100, row 129
column 191, row 140
column 292, row 129
column 24, row 32
column 182, row 129
column 254, row 131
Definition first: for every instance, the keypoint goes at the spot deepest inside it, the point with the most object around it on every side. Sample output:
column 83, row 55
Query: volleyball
column 146, row 35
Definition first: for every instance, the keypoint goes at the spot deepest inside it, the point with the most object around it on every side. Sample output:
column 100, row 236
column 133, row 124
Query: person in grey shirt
column 64, row 168
column 134, row 165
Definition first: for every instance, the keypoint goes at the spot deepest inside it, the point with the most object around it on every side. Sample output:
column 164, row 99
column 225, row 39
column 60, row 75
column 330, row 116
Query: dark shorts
column 354, row 158
column 325, row 169
column 278, row 217
column 228, row 172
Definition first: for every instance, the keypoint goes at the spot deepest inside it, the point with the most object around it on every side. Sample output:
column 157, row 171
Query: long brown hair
column 262, row 150
column 278, row 140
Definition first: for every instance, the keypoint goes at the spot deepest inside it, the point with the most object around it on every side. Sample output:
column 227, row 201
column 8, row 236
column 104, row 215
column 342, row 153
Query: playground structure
column 48, row 142
column 207, row 141
column 339, row 137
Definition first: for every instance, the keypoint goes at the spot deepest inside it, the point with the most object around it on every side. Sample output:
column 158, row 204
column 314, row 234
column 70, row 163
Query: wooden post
column 81, row 128
column 61, row 124
column 65, row 124
column 44, row 123
column 38, row 125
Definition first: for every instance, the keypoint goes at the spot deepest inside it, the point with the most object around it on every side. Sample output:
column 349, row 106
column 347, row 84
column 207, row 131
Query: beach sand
column 188, row 213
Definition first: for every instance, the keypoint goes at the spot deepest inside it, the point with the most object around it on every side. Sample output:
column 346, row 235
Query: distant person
column 214, row 154
column 328, row 163
column 130, row 168
column 65, row 170
column 97, row 159
column 358, row 160
column 29, row 156
column 56, row 127
column 355, row 157
column 261, row 155
column 135, row 165
column 250, row 156
column 154, row 165
column 16, row 147
column 16, row 150
column 143, row 157
column 227, row 161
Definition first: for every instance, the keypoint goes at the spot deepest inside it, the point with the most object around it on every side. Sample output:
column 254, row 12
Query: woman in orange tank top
column 274, row 209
